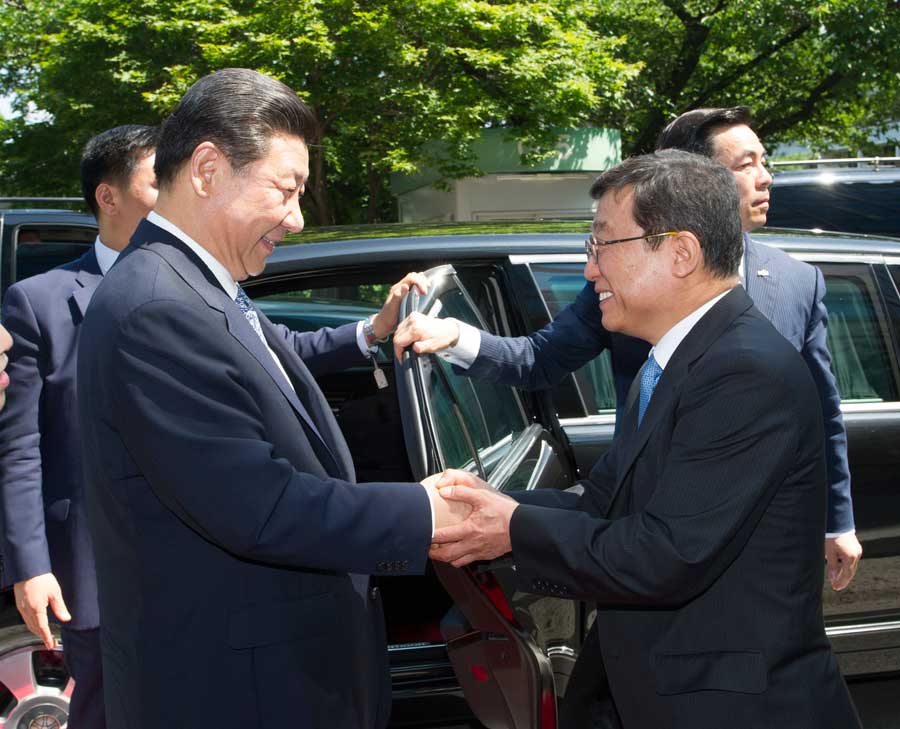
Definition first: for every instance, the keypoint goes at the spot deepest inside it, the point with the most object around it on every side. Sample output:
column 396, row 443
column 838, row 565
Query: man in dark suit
column 46, row 543
column 222, row 499
column 699, row 532
column 789, row 292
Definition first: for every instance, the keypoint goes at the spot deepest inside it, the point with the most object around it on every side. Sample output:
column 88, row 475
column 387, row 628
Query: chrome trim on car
column 560, row 650
column 548, row 258
column 862, row 628
column 601, row 419
column 835, row 257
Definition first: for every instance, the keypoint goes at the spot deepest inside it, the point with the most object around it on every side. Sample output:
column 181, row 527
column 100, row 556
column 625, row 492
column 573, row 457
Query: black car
column 853, row 199
column 465, row 642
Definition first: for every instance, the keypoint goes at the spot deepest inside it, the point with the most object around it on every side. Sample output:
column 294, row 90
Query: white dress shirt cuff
column 466, row 349
column 366, row 350
column 835, row 535
column 432, row 495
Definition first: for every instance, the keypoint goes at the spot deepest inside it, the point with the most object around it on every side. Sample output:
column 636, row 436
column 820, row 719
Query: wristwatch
column 369, row 331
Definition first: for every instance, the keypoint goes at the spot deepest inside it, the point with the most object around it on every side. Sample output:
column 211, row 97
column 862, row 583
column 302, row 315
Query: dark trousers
column 82, row 651
column 588, row 703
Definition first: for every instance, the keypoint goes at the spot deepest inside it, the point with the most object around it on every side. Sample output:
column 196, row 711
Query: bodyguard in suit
column 788, row 292
column 46, row 543
column 699, row 532
column 222, row 497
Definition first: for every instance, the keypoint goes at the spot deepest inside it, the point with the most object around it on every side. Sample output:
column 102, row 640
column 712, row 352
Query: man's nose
column 293, row 221
column 764, row 178
column 591, row 270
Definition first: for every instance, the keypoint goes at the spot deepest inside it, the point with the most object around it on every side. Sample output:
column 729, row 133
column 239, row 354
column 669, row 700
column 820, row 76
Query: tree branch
column 725, row 81
column 804, row 111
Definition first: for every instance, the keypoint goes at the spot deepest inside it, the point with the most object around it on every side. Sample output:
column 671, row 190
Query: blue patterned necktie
column 650, row 375
column 243, row 302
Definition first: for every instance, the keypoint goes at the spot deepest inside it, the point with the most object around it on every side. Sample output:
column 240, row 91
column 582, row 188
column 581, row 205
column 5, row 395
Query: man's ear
column 107, row 199
column 687, row 255
column 207, row 163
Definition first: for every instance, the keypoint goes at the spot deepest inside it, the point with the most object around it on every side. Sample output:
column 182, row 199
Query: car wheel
column 35, row 686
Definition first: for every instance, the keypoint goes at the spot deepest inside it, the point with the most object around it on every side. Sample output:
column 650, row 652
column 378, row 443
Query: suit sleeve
column 544, row 358
column 192, row 426
column 325, row 350
column 818, row 359
column 24, row 538
column 733, row 444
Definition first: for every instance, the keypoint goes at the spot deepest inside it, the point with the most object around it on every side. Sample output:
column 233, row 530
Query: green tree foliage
column 386, row 77
column 823, row 72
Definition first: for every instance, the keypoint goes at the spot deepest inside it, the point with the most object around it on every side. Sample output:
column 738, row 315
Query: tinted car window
column 467, row 413
column 852, row 207
column 858, row 336
column 40, row 248
column 309, row 309
column 559, row 284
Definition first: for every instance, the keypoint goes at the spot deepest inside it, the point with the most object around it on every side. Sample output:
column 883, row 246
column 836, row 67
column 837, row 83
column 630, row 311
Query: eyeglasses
column 593, row 245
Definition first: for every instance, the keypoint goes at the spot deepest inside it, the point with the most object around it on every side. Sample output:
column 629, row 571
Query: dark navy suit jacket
column 224, row 510
column 699, row 534
column 787, row 291
column 44, row 525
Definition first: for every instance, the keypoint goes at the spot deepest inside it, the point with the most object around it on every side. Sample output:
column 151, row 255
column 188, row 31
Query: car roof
column 884, row 174
column 37, row 216
column 443, row 248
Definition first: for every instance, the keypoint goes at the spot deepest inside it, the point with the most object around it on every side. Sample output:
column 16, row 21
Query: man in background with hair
column 46, row 542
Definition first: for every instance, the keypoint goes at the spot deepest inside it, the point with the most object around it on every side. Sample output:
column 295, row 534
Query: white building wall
column 502, row 197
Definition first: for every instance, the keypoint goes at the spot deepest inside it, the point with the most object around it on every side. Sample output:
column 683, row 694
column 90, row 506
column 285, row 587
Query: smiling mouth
column 604, row 295
column 266, row 239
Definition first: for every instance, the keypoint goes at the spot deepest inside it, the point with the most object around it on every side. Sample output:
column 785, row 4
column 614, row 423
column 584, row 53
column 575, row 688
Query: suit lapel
column 761, row 279
column 692, row 347
column 198, row 276
column 312, row 399
column 87, row 280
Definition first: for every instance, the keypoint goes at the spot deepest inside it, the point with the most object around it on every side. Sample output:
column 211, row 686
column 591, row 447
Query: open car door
column 512, row 652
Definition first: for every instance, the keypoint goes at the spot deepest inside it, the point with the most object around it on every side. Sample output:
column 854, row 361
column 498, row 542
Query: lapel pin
column 763, row 272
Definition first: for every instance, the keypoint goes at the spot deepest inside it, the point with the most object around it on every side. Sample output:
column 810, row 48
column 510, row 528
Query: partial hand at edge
column 842, row 555
column 426, row 334
column 485, row 534
column 32, row 598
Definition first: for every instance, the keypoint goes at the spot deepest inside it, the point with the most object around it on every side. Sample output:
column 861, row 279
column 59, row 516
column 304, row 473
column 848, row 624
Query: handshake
column 471, row 518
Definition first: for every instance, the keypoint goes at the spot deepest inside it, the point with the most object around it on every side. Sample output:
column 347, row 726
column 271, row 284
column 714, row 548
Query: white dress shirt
column 106, row 256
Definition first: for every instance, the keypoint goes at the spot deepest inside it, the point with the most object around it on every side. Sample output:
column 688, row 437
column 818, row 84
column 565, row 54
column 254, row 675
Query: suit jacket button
column 373, row 594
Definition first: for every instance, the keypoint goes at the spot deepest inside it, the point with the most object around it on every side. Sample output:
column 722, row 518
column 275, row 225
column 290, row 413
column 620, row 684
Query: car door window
column 475, row 421
column 39, row 248
column 560, row 284
column 858, row 336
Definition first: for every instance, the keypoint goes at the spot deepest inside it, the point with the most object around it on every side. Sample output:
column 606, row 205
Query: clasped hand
column 484, row 532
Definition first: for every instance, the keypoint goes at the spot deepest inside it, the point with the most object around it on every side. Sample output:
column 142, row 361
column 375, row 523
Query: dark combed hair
column 693, row 130
column 239, row 111
column 112, row 156
column 675, row 190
